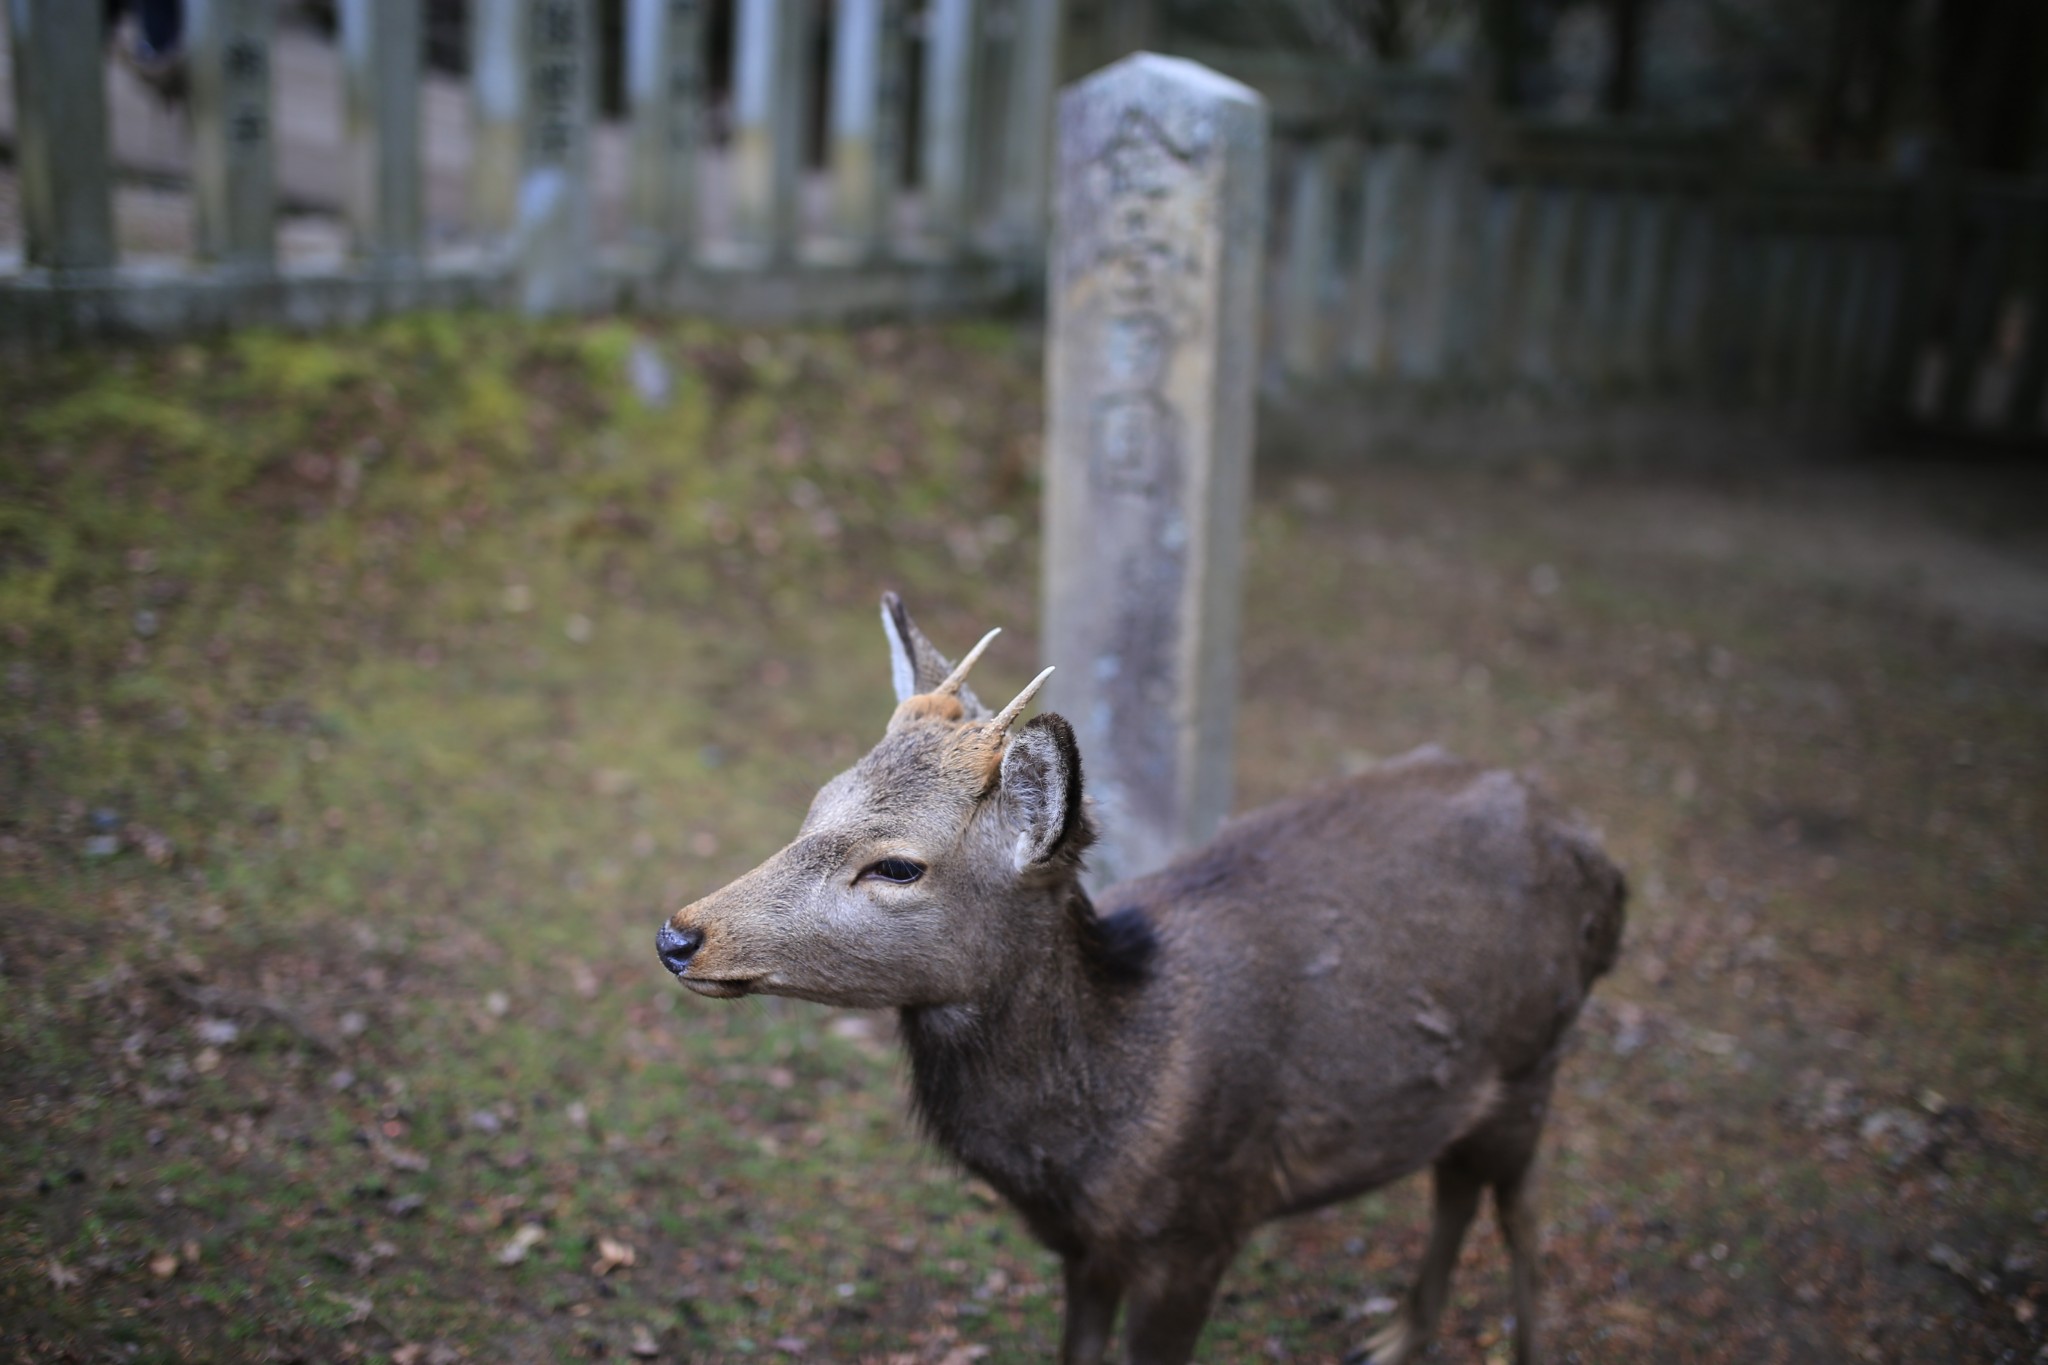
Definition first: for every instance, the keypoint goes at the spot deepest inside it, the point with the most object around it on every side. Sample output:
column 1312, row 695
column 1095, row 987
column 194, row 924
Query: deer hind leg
column 1093, row 1292
column 1514, row 1202
column 1458, row 1188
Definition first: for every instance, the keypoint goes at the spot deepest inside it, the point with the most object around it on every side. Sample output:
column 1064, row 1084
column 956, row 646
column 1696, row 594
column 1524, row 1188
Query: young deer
column 1333, row 992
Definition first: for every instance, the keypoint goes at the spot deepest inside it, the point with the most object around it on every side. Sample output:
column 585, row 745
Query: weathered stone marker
column 1158, row 246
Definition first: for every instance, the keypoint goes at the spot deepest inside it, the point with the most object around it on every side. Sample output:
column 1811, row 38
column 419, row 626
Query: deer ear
column 915, row 664
column 904, row 638
column 1041, row 791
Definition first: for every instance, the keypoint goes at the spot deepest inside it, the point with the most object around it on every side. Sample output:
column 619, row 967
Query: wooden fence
column 970, row 232
column 1421, row 240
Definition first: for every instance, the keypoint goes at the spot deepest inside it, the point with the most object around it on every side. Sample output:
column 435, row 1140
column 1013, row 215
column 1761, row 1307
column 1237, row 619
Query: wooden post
column 1154, row 297
column 553, row 233
column 665, row 87
column 60, row 104
column 2023, row 416
column 867, row 124
column 1027, row 131
column 380, row 52
column 1311, row 227
column 666, row 91
column 497, row 93
column 769, row 104
column 951, row 39
column 234, row 172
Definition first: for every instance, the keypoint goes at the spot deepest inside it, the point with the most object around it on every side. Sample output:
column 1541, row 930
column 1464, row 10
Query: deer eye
column 901, row 871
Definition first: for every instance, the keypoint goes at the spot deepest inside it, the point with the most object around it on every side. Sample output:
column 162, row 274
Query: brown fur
column 1336, row 991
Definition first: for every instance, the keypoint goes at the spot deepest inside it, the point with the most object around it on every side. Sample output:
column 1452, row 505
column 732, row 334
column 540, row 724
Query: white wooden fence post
column 1027, row 131
column 60, row 106
column 497, row 94
column 665, row 87
column 867, row 118
column 770, row 99
column 380, row 52
column 1154, row 300
column 951, row 38
column 234, row 170
column 1311, row 241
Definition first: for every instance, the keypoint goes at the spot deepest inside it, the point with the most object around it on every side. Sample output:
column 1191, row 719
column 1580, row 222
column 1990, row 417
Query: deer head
column 918, row 871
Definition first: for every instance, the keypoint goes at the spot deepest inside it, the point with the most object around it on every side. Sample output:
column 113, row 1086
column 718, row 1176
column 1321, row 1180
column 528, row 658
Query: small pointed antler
column 1008, row 716
column 958, row 676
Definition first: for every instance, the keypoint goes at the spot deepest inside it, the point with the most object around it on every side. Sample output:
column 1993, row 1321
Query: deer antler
column 1008, row 715
column 954, row 680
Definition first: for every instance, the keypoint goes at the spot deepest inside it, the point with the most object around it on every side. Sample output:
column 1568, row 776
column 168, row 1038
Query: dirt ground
column 366, row 701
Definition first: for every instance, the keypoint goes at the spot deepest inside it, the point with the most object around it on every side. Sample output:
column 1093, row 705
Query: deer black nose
column 675, row 949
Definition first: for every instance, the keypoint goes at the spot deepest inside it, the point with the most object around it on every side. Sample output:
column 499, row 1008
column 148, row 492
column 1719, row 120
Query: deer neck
column 1037, row 1052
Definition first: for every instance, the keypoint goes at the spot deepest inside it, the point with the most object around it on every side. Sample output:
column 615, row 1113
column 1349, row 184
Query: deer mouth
column 720, row 988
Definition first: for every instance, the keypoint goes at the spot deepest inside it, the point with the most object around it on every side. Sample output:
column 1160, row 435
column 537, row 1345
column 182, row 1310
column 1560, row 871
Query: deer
column 1335, row 991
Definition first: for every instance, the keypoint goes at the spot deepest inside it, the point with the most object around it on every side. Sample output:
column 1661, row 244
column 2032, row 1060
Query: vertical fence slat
column 1826, row 263
column 1027, row 133
column 1436, row 241
column 2023, row 416
column 1763, row 365
column 768, row 122
column 1685, row 339
column 380, row 52
column 234, row 172
column 1511, row 241
column 1850, row 323
column 665, row 88
column 1593, row 323
column 867, row 49
column 60, row 103
column 1466, row 308
column 497, row 119
column 1372, row 333
column 1966, row 348
column 553, row 237
column 951, row 36
column 1548, row 280
column 1311, row 222
column 1924, row 280
column 1646, row 268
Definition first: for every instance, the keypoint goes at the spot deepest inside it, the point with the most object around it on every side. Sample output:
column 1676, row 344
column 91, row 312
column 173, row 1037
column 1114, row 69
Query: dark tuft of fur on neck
column 1117, row 948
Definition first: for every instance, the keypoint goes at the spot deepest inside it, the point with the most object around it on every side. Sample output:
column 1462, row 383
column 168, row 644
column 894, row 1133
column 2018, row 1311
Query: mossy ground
column 368, row 699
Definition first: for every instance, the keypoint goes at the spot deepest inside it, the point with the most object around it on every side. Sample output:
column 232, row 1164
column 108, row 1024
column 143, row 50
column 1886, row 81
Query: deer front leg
column 1402, row 1340
column 1170, row 1299
column 1093, row 1292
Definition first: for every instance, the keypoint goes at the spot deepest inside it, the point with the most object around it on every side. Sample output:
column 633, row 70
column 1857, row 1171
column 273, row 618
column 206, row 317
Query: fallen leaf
column 610, row 1256
column 529, row 1236
column 63, row 1276
column 409, row 1354
column 359, row 1308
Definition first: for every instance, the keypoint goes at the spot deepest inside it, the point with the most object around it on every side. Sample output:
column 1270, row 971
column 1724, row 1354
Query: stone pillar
column 665, row 86
column 1158, row 248
column 234, row 171
column 769, row 115
column 553, row 237
column 380, row 52
column 60, row 106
